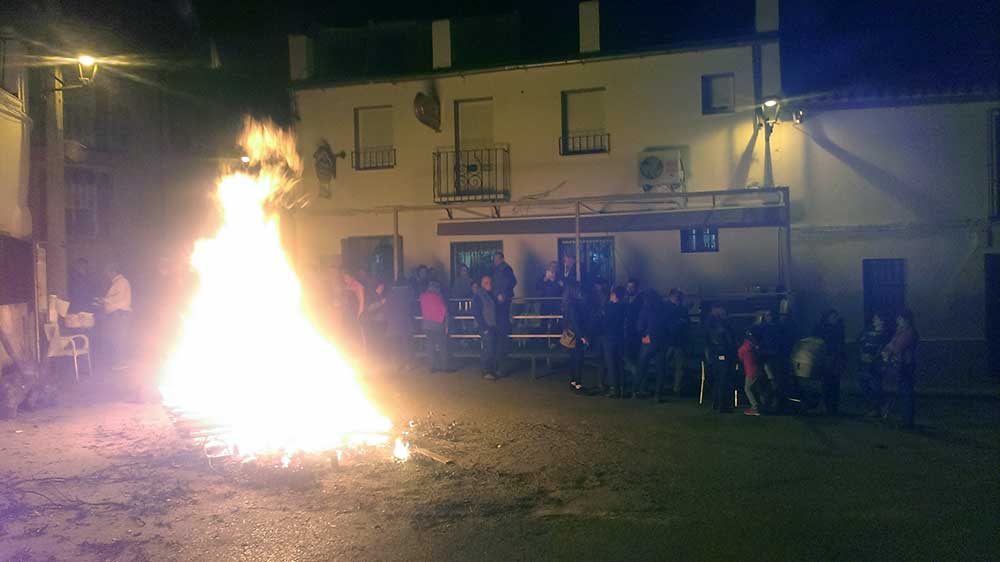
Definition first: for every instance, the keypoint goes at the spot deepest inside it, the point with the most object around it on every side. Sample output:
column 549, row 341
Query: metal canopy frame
column 727, row 208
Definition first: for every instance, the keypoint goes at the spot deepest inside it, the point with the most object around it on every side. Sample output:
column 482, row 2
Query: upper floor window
column 584, row 126
column 718, row 94
column 11, row 70
column 373, row 139
column 88, row 203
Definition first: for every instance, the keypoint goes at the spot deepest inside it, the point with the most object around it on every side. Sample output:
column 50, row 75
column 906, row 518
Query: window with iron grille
column 477, row 256
column 718, row 94
column 884, row 287
column 372, row 255
column 88, row 203
column 696, row 240
column 597, row 257
column 584, row 128
column 373, row 139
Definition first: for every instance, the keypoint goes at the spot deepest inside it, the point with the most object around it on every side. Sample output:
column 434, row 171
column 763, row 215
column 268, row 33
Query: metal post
column 788, row 239
column 578, row 278
column 395, row 245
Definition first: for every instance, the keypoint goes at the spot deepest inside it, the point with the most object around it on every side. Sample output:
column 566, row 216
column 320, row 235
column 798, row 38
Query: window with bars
column 597, row 257
column 584, row 128
column 371, row 255
column 88, row 203
column 697, row 240
column 373, row 139
column 718, row 94
column 478, row 256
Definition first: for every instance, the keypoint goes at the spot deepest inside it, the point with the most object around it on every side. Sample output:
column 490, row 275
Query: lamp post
column 767, row 115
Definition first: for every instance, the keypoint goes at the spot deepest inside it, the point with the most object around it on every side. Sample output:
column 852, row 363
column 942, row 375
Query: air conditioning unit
column 661, row 171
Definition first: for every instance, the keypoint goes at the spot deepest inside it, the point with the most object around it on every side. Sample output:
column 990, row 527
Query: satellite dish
column 428, row 110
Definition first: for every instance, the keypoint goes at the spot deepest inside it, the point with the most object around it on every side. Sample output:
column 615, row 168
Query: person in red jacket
column 900, row 356
column 435, row 316
column 749, row 354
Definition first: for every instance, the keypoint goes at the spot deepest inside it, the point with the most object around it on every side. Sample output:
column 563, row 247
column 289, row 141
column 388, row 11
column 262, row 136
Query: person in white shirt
column 117, row 305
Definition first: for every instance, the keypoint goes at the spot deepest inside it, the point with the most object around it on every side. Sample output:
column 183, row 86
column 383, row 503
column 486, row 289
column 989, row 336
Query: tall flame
column 248, row 358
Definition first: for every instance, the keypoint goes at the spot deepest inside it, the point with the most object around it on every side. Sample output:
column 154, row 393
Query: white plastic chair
column 74, row 346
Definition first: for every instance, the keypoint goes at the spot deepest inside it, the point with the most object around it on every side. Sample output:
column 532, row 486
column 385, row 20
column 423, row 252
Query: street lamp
column 87, row 66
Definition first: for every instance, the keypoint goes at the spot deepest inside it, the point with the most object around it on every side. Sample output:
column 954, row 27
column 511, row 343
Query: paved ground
column 539, row 474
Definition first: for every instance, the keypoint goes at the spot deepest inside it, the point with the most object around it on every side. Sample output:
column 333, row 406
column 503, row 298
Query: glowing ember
column 249, row 359
column 401, row 451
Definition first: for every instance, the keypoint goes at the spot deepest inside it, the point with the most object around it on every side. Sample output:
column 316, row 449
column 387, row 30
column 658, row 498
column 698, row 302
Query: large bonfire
column 249, row 360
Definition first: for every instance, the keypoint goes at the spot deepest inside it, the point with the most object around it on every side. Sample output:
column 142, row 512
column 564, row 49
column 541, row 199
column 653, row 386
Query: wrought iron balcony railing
column 585, row 144
column 378, row 158
column 475, row 174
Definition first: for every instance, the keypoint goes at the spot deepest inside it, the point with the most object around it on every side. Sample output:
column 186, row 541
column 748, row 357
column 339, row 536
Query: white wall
column 15, row 218
column 884, row 182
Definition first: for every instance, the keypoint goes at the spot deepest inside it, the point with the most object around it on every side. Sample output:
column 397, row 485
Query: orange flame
column 249, row 359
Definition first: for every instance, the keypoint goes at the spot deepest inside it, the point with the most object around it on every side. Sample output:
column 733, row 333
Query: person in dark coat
column 633, row 306
column 871, row 342
column 652, row 330
column 576, row 319
column 900, row 354
column 830, row 329
column 82, row 287
column 720, row 354
column 567, row 272
column 596, row 307
column 676, row 322
column 461, row 287
column 775, row 352
column 399, row 320
column 493, row 328
column 614, row 341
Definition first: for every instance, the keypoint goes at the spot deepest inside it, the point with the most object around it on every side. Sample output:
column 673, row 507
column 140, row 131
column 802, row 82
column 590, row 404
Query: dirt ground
column 538, row 474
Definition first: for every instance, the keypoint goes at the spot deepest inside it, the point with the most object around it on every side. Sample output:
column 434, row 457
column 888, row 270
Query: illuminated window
column 695, row 240
column 373, row 138
column 717, row 94
column 584, row 130
column 597, row 257
column 477, row 256
column 369, row 254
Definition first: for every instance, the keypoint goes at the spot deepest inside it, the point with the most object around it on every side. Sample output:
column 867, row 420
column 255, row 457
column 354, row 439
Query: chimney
column 590, row 26
column 300, row 57
column 766, row 16
column 441, row 43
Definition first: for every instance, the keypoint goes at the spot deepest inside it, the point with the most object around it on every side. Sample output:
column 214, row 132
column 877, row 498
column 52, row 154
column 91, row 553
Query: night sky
column 882, row 45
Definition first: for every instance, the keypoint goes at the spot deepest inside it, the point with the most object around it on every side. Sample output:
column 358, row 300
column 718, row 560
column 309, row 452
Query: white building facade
column 892, row 200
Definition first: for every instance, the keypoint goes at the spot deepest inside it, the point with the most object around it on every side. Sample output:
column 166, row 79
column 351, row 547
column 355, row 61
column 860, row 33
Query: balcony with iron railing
column 474, row 174
column 588, row 143
column 374, row 158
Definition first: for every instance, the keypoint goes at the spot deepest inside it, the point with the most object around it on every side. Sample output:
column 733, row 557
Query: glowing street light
column 245, row 159
column 87, row 65
column 770, row 102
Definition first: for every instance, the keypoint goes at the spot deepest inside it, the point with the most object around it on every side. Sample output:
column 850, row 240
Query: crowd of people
column 644, row 342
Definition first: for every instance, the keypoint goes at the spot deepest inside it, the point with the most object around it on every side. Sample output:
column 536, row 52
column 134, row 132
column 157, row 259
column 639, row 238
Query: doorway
column 475, row 161
column 993, row 312
column 884, row 287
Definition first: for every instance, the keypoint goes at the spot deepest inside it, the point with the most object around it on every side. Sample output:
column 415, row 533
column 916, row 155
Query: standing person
column 82, row 291
column 488, row 321
column 720, row 348
column 504, row 279
column 548, row 288
column 597, row 308
column 633, row 306
column 871, row 342
column 420, row 278
column 575, row 320
column 749, row 355
column 374, row 316
column 901, row 356
column 353, row 328
column 567, row 273
column 614, row 341
column 652, row 331
column 399, row 324
column 830, row 329
column 461, row 287
column 117, row 307
column 775, row 351
column 676, row 320
column 435, row 324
